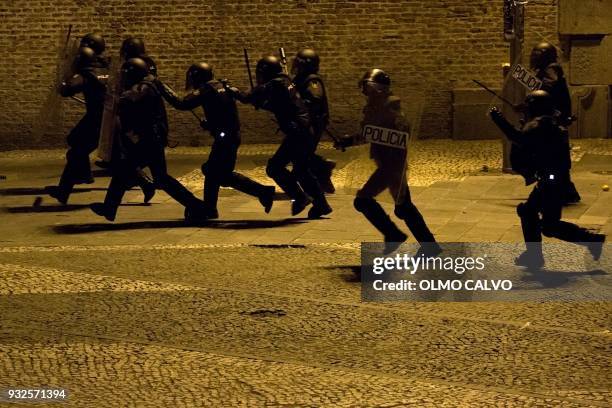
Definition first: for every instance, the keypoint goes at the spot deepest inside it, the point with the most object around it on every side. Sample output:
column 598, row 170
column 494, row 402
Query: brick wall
column 428, row 47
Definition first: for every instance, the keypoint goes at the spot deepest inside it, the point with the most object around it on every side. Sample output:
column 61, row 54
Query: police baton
column 248, row 67
column 79, row 100
column 283, row 59
column 486, row 88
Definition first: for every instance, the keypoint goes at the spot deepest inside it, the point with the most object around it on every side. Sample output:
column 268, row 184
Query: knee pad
column 403, row 211
column 362, row 204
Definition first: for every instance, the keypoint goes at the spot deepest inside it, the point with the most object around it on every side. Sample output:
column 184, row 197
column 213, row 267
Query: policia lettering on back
column 385, row 136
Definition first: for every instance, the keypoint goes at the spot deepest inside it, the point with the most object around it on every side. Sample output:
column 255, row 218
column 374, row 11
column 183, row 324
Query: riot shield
column 108, row 127
column 51, row 112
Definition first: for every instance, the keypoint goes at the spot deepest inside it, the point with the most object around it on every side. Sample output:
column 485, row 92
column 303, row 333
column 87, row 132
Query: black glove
column 495, row 114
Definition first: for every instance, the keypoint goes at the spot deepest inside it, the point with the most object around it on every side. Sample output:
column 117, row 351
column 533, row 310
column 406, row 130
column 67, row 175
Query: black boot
column 200, row 213
column 266, row 198
column 532, row 258
column 58, row 193
column 299, row 203
column 320, row 207
column 102, row 210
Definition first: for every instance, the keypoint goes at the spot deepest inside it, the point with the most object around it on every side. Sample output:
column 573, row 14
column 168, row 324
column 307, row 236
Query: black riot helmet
column 269, row 67
column 132, row 47
column 198, row 74
column 375, row 81
column 306, row 62
column 133, row 71
column 539, row 103
column 542, row 55
column 94, row 41
column 86, row 58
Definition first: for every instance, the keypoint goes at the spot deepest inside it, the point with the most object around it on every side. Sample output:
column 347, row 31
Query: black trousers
column 541, row 214
column 149, row 154
column 296, row 148
column 319, row 167
column 82, row 141
column 391, row 175
column 219, row 171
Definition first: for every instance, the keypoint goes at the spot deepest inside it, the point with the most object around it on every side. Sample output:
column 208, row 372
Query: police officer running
column 547, row 144
column 383, row 110
column 90, row 79
column 305, row 68
column 223, row 123
column 276, row 93
column 143, row 138
column 543, row 60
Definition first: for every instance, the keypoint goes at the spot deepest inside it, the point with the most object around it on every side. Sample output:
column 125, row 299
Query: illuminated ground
column 151, row 311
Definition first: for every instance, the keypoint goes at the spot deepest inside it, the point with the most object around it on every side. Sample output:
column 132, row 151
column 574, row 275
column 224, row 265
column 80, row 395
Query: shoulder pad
column 541, row 122
column 214, row 85
column 554, row 71
column 393, row 102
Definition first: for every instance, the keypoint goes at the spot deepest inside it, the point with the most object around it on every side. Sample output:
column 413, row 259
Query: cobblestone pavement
column 265, row 311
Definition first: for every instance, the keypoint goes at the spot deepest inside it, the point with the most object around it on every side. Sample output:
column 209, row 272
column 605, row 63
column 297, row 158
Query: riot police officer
column 383, row 110
column 223, row 123
column 547, row 144
column 305, row 68
column 133, row 47
column 143, row 138
column 90, row 79
column 543, row 60
column 276, row 93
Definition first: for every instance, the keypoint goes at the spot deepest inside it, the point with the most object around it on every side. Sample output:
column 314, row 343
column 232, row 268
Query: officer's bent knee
column 522, row 210
column 363, row 203
column 272, row 169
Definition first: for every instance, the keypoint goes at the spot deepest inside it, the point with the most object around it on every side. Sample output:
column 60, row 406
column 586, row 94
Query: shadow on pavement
column 555, row 279
column 45, row 209
column 354, row 275
column 230, row 224
column 58, row 208
column 23, row 191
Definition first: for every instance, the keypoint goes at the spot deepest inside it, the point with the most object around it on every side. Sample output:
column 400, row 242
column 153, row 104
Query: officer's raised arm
column 189, row 102
column 512, row 133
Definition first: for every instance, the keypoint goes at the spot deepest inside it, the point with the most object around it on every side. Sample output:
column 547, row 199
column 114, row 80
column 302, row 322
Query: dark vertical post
column 514, row 20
